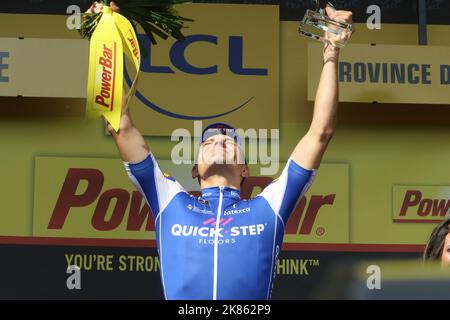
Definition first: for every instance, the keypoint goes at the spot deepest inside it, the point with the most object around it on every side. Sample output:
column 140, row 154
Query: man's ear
column 245, row 172
column 194, row 172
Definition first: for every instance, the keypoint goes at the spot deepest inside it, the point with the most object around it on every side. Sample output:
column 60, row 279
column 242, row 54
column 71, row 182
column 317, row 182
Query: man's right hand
column 130, row 142
column 97, row 7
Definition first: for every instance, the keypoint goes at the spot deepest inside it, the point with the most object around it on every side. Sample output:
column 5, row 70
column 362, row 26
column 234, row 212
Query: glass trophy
column 316, row 24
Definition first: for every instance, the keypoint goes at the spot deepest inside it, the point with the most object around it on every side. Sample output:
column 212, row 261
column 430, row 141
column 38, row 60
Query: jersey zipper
column 216, row 243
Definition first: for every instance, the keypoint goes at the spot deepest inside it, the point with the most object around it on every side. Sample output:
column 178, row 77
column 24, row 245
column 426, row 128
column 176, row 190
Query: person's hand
column 97, row 7
column 331, row 51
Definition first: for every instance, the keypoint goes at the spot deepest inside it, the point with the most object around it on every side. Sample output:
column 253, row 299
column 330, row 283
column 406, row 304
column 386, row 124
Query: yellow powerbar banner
column 105, row 80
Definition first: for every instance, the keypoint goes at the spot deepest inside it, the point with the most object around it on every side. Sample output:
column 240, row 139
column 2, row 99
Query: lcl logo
column 177, row 57
column 178, row 63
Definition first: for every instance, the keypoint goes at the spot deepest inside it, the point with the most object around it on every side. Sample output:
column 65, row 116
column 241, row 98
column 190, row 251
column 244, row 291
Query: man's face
column 219, row 149
column 445, row 258
column 224, row 154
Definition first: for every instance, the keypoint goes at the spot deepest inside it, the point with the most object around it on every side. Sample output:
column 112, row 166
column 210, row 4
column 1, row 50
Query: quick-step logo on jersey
column 207, row 231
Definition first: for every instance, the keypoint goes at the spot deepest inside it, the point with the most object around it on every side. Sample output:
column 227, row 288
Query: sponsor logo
column 308, row 210
column 208, row 230
column 199, row 210
column 118, row 199
column 236, row 211
column 186, row 231
column 421, row 204
column 133, row 43
column 235, row 194
column 105, row 70
column 180, row 64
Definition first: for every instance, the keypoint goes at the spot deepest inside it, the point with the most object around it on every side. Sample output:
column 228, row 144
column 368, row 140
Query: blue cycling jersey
column 218, row 246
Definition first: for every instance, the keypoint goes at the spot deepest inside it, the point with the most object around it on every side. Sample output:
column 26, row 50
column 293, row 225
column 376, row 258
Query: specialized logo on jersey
column 207, row 232
column 200, row 210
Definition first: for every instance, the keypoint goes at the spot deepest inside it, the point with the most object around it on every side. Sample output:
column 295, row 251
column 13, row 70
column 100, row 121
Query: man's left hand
column 331, row 50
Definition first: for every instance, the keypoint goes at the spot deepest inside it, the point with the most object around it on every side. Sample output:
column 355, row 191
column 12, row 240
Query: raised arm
column 310, row 149
column 129, row 141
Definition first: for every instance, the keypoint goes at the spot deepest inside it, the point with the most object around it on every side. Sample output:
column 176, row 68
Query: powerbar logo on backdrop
column 83, row 188
column 105, row 72
column 83, row 203
column 421, row 203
